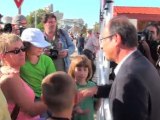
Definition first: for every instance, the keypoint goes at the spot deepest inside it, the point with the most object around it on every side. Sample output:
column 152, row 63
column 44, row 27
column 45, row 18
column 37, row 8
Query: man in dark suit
column 135, row 92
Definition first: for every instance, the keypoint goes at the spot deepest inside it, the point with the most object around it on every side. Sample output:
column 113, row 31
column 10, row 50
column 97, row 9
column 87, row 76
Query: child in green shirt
column 81, row 71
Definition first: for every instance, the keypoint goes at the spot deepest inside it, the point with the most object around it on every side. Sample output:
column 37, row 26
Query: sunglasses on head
column 17, row 51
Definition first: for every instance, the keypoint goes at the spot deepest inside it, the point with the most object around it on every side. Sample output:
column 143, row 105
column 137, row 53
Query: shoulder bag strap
column 15, row 112
column 63, row 34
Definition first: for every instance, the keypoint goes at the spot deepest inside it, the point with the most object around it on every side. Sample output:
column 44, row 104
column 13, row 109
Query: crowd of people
column 39, row 80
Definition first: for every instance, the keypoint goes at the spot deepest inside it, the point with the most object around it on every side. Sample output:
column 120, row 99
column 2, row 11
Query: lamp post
column 35, row 19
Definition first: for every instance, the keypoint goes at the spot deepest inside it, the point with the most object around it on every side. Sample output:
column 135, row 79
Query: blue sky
column 88, row 10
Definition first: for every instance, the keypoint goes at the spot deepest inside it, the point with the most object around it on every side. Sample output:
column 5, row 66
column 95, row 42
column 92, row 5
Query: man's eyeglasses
column 17, row 51
column 107, row 37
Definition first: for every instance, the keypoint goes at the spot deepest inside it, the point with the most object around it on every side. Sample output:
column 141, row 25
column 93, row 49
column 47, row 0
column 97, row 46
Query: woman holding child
column 18, row 94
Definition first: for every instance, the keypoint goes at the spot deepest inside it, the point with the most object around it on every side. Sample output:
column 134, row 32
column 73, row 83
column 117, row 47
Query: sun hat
column 35, row 37
column 18, row 19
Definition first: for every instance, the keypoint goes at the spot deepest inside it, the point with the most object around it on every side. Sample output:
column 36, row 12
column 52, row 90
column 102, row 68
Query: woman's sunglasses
column 17, row 51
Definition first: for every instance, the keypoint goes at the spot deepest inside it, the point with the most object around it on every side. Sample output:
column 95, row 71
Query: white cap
column 35, row 37
column 6, row 19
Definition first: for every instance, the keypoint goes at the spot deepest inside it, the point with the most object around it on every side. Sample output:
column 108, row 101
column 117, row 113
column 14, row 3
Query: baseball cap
column 35, row 37
column 18, row 19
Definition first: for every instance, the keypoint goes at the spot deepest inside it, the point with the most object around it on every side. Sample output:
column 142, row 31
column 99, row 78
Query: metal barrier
column 103, row 66
column 103, row 70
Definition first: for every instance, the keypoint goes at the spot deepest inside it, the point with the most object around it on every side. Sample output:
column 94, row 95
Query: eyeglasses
column 17, row 51
column 107, row 37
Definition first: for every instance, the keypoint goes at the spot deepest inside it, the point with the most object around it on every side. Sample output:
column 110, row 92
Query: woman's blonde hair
column 80, row 61
column 6, row 40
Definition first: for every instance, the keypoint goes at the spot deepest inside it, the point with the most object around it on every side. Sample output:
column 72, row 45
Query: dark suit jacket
column 135, row 92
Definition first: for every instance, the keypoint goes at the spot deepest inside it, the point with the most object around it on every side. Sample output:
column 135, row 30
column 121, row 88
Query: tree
column 35, row 17
column 96, row 27
column 84, row 29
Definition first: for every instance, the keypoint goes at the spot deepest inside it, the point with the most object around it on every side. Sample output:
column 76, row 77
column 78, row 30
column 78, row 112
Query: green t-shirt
column 33, row 74
column 87, row 103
